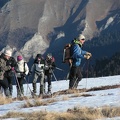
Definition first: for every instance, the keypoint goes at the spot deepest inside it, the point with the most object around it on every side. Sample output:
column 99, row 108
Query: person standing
column 10, row 73
column 50, row 65
column 3, row 68
column 21, row 71
column 77, row 54
column 38, row 73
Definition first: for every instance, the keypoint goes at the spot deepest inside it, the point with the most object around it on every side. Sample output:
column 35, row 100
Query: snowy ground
column 110, row 97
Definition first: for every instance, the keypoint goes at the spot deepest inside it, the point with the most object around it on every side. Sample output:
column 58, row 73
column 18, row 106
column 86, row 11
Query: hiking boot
column 49, row 92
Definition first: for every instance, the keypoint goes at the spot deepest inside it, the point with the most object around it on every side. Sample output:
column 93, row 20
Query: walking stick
column 18, row 84
column 59, row 69
column 32, row 93
column 27, row 85
column 54, row 75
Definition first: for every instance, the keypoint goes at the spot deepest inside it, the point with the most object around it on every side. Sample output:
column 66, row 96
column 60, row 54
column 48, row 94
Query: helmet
column 49, row 55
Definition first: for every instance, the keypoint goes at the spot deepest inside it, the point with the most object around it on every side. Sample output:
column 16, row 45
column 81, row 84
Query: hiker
column 77, row 54
column 10, row 73
column 21, row 71
column 3, row 68
column 38, row 73
column 50, row 65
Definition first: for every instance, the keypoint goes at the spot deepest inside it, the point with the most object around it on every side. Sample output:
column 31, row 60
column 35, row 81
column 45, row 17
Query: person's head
column 81, row 38
column 7, row 54
column 49, row 56
column 39, row 56
column 19, row 58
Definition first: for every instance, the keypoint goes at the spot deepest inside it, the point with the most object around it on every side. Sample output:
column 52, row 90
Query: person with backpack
column 50, row 66
column 20, row 72
column 77, row 54
column 38, row 73
column 3, row 68
column 10, row 73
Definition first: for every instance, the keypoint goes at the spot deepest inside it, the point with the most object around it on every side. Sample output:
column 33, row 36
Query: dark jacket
column 50, row 63
column 3, row 66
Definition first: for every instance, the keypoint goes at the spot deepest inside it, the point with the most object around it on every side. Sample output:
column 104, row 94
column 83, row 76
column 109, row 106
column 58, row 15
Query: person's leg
column 10, row 84
column 72, row 77
column 79, row 77
column 4, row 84
column 42, row 83
column 35, row 77
column 49, row 83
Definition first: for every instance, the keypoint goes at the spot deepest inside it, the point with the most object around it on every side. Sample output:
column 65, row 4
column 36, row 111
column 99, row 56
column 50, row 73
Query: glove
column 87, row 57
column 12, row 68
column 23, row 74
column 89, row 54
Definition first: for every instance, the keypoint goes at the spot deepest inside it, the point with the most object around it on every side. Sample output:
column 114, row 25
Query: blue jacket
column 77, row 53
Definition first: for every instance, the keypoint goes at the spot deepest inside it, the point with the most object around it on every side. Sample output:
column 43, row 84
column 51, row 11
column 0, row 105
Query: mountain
column 26, row 25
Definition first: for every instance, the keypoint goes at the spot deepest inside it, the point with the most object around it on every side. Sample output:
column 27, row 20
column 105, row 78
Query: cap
column 81, row 37
column 19, row 58
column 8, row 53
column 39, row 56
column 49, row 55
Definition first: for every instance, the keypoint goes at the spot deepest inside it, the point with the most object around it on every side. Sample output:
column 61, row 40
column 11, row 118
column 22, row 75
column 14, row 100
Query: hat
column 19, row 58
column 8, row 53
column 49, row 55
column 39, row 56
column 81, row 37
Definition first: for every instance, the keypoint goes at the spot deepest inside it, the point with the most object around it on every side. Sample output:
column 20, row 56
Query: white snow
column 109, row 97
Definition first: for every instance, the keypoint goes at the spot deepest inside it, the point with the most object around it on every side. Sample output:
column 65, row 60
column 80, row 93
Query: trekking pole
column 32, row 93
column 87, row 74
column 18, row 84
column 27, row 85
column 59, row 69
column 54, row 75
column 75, row 82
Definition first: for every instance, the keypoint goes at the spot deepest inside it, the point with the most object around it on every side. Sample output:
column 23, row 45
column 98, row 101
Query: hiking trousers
column 75, row 76
column 38, row 76
column 4, row 84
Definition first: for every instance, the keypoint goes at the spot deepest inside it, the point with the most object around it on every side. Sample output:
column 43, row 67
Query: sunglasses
column 83, row 39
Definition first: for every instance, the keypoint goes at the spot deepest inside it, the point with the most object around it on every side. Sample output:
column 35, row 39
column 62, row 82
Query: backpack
column 67, row 54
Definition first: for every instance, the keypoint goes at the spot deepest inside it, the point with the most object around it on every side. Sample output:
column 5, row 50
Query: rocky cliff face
column 32, row 26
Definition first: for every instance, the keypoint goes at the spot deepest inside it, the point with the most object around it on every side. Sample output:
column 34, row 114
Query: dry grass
column 4, row 100
column 37, row 102
column 72, row 114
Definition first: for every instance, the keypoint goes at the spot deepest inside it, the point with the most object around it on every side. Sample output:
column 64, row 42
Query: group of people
column 41, row 69
column 17, row 69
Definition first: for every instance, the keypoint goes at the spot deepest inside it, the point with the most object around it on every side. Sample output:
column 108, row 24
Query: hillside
column 26, row 25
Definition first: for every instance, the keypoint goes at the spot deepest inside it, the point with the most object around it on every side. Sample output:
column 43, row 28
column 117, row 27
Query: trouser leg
column 35, row 77
column 49, row 82
column 34, row 87
column 4, row 84
column 10, row 85
column 75, row 77
column 20, row 89
column 42, row 76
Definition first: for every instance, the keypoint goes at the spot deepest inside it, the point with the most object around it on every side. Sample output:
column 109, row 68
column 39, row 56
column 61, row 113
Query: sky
column 109, row 97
